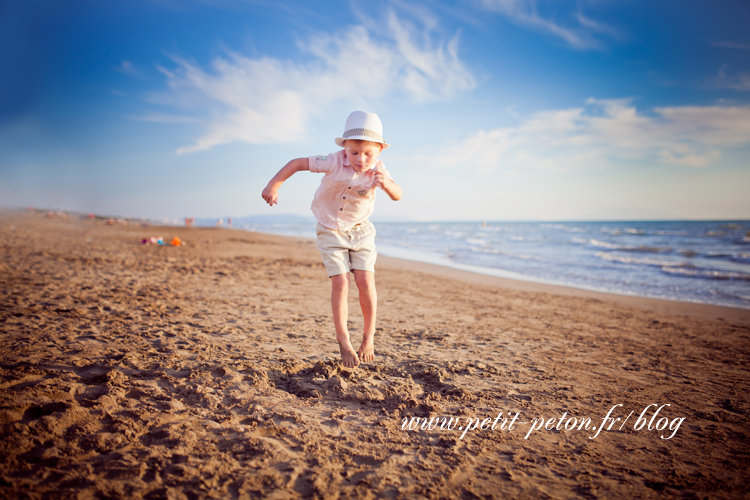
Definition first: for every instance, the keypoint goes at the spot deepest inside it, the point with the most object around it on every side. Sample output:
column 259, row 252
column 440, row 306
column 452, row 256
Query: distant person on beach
column 342, row 205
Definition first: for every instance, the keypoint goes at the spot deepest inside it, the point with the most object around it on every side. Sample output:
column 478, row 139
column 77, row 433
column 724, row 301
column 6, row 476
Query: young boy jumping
column 342, row 205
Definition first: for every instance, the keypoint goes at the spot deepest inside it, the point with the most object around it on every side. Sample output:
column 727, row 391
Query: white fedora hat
column 363, row 127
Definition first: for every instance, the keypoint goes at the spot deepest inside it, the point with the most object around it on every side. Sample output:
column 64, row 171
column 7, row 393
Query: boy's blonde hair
column 365, row 143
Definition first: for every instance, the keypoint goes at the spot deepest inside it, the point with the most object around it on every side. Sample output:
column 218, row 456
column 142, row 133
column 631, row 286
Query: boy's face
column 362, row 155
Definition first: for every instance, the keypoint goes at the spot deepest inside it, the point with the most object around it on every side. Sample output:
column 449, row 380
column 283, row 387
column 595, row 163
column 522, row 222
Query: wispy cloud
column 580, row 32
column 725, row 80
column 165, row 118
column 128, row 68
column 266, row 100
column 605, row 132
column 731, row 45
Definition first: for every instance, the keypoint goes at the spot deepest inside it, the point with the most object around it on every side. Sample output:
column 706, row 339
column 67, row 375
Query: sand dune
column 210, row 370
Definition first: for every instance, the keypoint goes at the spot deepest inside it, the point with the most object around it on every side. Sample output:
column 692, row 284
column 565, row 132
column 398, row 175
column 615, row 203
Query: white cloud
column 731, row 45
column 165, row 118
column 603, row 133
column 689, row 160
column 580, row 33
column 266, row 100
column 128, row 68
column 740, row 81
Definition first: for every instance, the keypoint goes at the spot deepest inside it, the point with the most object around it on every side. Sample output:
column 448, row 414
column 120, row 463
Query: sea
column 705, row 262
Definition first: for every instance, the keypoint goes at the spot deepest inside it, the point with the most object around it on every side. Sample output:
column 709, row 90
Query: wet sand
column 211, row 370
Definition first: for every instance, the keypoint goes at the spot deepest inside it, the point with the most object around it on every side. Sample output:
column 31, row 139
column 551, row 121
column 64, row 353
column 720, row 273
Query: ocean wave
column 617, row 231
column 743, row 258
column 671, row 233
column 487, row 250
column 629, row 248
column 640, row 260
column 603, row 244
column 522, row 256
column 563, row 227
column 718, row 255
column 476, row 241
column 705, row 274
column 494, row 251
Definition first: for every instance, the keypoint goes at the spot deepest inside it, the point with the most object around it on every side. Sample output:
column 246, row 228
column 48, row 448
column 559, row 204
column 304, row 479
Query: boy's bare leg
column 340, row 308
column 368, row 301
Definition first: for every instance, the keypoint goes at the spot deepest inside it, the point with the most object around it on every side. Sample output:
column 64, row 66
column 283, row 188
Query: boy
column 342, row 205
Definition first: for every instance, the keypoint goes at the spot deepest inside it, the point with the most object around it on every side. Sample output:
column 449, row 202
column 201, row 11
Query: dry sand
column 211, row 371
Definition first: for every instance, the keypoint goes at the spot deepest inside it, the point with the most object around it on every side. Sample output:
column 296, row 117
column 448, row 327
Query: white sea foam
column 629, row 248
column 672, row 233
column 495, row 251
column 639, row 260
column 706, row 274
column 603, row 244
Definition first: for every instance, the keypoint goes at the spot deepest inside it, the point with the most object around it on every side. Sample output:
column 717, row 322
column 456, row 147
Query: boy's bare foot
column 348, row 356
column 367, row 349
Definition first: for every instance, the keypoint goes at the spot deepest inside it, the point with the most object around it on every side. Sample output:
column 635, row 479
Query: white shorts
column 344, row 251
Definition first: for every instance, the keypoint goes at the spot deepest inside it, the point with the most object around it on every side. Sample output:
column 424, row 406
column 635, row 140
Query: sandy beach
column 210, row 370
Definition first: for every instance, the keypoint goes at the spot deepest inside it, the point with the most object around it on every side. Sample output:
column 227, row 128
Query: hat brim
column 340, row 140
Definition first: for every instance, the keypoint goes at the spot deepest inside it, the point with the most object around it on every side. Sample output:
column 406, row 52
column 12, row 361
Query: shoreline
column 513, row 280
column 662, row 306
column 658, row 305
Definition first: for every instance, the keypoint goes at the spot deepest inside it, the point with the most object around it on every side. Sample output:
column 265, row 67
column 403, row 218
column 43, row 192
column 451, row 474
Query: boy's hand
column 271, row 194
column 271, row 191
column 380, row 178
column 388, row 185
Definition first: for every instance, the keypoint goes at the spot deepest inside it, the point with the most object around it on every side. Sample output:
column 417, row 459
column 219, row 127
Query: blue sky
column 496, row 109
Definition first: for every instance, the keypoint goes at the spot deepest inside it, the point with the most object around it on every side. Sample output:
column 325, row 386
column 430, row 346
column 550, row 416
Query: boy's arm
column 271, row 191
column 388, row 185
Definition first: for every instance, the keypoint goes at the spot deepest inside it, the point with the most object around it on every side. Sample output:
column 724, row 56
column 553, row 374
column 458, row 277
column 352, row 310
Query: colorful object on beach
column 153, row 241
column 159, row 240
